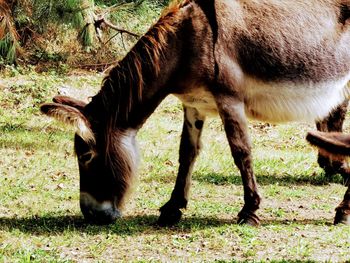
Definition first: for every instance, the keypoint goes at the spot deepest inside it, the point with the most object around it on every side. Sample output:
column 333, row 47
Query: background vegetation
column 60, row 33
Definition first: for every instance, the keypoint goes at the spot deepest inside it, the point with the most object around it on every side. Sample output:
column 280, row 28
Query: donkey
column 336, row 146
column 270, row 60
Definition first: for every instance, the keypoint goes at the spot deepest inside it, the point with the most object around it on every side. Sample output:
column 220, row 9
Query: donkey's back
column 288, row 59
column 288, row 40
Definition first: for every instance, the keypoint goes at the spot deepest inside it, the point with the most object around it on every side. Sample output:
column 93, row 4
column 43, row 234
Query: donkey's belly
column 201, row 99
column 288, row 101
column 277, row 102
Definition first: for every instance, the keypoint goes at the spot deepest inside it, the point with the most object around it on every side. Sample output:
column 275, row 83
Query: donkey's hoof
column 248, row 218
column 169, row 218
column 342, row 218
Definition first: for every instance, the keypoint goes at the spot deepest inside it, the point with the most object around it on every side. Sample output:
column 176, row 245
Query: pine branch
column 101, row 21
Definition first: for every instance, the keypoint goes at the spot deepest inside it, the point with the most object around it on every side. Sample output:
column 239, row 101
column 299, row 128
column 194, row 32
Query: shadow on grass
column 128, row 226
column 283, row 180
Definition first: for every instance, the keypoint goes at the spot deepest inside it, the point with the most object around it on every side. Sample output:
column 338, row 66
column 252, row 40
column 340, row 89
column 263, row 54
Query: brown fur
column 336, row 146
column 145, row 57
column 277, row 60
column 65, row 100
column 333, row 123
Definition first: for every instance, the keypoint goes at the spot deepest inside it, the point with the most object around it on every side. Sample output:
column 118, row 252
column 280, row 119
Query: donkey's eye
column 86, row 157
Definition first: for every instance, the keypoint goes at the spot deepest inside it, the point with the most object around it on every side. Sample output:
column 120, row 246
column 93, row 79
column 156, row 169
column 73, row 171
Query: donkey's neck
column 140, row 81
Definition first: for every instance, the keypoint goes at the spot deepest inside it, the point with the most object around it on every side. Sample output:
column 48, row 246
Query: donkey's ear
column 71, row 116
column 334, row 144
column 65, row 100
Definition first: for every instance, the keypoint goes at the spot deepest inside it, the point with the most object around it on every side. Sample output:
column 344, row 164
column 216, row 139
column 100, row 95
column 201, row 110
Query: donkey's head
column 107, row 161
column 332, row 144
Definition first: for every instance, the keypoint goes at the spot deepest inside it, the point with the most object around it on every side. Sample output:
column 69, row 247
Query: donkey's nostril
column 100, row 216
column 98, row 212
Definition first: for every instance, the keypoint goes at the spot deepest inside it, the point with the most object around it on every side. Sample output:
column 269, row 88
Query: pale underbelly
column 278, row 102
column 202, row 100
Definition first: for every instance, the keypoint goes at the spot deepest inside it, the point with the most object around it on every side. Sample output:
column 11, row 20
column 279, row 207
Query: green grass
column 40, row 220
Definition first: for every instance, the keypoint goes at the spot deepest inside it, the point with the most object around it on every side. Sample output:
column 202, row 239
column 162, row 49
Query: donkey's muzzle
column 100, row 217
column 98, row 212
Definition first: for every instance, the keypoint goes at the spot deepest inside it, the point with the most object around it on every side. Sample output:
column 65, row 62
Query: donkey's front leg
column 232, row 113
column 190, row 145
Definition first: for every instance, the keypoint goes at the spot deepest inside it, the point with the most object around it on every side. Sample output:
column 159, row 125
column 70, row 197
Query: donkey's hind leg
column 233, row 116
column 342, row 215
column 333, row 123
column 190, row 145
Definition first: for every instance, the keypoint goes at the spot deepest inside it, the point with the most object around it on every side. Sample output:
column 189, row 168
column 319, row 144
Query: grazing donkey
column 270, row 60
column 336, row 146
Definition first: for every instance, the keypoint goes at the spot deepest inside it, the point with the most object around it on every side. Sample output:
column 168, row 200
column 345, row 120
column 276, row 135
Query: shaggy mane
column 123, row 86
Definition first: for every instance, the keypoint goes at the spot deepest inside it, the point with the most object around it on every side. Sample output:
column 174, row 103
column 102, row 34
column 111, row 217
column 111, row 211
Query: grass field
column 40, row 220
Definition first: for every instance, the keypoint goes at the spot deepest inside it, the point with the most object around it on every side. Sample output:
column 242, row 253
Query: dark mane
column 123, row 86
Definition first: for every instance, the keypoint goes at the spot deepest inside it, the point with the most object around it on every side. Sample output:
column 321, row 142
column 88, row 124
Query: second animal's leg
column 190, row 145
column 343, row 210
column 333, row 123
